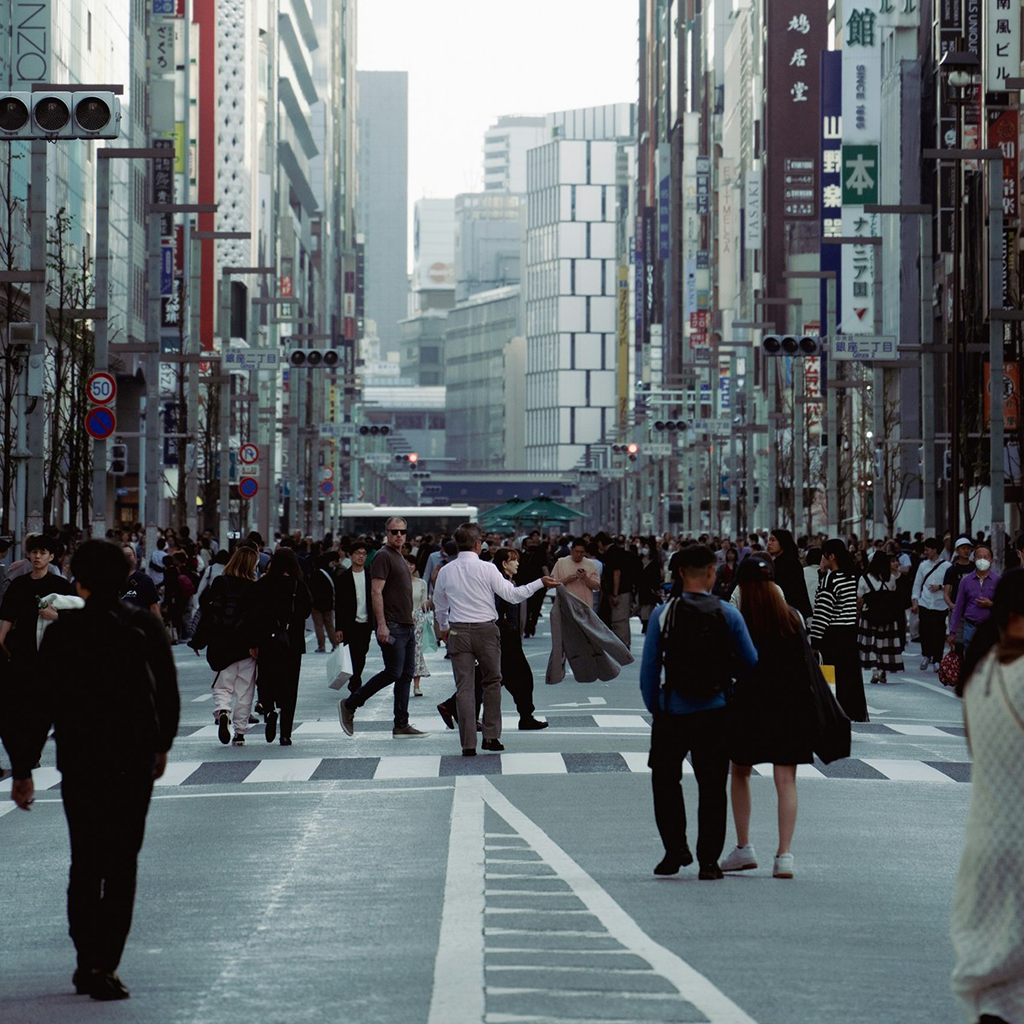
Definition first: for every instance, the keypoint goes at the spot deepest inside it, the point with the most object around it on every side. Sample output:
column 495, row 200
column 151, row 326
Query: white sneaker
column 783, row 866
column 925, row 662
column 741, row 858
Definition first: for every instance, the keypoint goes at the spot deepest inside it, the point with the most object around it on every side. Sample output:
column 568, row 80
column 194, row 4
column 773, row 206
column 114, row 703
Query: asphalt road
column 370, row 880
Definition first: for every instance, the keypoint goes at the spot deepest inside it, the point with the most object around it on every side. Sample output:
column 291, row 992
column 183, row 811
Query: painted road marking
column 202, row 697
column 532, row 764
column 177, row 772
column 916, row 730
column 467, row 993
column 286, row 769
column 621, row 721
column 423, row 767
column 907, row 771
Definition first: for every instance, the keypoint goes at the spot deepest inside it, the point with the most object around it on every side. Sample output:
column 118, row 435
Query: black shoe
column 670, row 865
column 492, row 745
column 446, row 716
column 710, row 873
column 80, row 979
column 223, row 728
column 532, row 723
column 106, row 986
column 253, row 720
column 271, row 730
column 258, row 708
column 469, row 751
column 286, row 741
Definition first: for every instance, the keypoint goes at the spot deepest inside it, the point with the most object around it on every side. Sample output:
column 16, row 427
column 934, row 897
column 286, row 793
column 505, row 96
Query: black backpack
column 696, row 647
column 881, row 607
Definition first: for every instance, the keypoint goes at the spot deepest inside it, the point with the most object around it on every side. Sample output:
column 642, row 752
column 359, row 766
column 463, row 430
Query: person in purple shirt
column 974, row 597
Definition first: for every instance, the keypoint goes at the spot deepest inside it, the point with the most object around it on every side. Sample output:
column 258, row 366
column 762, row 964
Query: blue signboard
column 831, row 174
column 166, row 269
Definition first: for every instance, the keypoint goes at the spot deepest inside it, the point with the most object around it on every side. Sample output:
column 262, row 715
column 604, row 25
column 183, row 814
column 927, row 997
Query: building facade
column 506, row 144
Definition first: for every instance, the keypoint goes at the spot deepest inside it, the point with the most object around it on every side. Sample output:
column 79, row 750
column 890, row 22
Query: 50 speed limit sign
column 101, row 388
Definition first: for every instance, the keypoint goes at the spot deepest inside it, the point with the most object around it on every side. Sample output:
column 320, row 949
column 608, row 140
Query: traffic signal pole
column 36, row 408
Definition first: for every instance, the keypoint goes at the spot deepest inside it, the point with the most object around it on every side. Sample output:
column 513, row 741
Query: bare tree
column 896, row 478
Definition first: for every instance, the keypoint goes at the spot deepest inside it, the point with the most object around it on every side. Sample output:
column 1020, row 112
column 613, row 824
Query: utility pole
column 996, row 331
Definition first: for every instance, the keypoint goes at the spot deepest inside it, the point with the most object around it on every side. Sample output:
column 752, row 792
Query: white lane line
column 177, row 772
column 917, row 730
column 636, row 761
column 528, row 892
column 532, row 764
column 421, row 767
column 7, row 807
column 907, row 771
column 937, row 687
column 621, row 722
column 202, row 697
column 42, row 778
column 458, row 993
column 531, row 910
column 808, row 771
column 693, row 986
column 286, row 769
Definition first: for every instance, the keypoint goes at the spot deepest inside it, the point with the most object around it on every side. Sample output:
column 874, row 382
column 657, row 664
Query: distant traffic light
column 314, row 358
column 118, row 459
column 409, row 457
column 632, row 450
column 792, row 345
column 671, row 425
column 373, row 430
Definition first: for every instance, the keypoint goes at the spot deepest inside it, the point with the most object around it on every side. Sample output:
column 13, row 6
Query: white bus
column 359, row 517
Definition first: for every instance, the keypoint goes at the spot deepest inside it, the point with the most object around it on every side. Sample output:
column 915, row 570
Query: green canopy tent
column 516, row 513
column 501, row 513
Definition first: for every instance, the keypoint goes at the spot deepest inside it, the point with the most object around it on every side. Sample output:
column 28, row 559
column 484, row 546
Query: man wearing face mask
column 974, row 598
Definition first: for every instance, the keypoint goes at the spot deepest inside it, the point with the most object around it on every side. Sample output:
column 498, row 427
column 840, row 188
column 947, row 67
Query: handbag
column 828, row 673
column 339, row 667
column 950, row 668
column 830, row 727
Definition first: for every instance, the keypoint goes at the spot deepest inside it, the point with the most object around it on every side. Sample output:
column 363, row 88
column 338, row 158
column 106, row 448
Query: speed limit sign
column 101, row 388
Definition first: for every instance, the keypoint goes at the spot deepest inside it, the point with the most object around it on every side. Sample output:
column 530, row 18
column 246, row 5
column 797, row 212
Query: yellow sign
column 179, row 147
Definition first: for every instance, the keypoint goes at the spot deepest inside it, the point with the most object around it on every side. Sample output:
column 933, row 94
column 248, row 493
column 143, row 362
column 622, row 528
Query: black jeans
column 277, row 681
column 399, row 663
column 705, row 735
column 933, row 633
column 106, row 815
column 357, row 636
column 534, row 603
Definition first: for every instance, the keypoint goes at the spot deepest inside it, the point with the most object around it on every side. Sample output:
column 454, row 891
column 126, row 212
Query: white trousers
column 238, row 679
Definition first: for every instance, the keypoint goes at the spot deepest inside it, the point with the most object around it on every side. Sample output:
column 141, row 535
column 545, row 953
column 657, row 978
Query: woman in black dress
column 282, row 606
column 789, row 573
column 834, row 628
column 771, row 713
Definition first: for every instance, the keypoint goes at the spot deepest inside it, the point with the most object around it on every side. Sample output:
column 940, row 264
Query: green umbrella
column 546, row 510
column 502, row 512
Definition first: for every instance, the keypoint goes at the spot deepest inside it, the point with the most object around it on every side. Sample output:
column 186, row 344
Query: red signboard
column 1002, row 134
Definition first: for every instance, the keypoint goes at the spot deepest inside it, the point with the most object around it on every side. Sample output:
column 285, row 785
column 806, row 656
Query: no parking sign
column 248, row 487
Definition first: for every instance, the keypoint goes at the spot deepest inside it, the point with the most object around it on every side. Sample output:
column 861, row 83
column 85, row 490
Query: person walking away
column 467, row 616
column 648, row 586
column 353, row 615
column 228, row 631
column 282, row 605
column 321, row 589
column 391, row 596
column 516, row 675
column 616, row 588
column 880, row 629
column 213, row 570
column 834, row 627
column 788, row 572
column 771, row 713
column 115, row 717
column 987, row 926
column 419, row 619
column 974, row 598
column 928, row 603
column 700, row 645
column 580, row 575
column 139, row 588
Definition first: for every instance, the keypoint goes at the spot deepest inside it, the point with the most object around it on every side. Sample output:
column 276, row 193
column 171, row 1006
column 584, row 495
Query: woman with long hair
column 771, row 722
column 988, row 905
column 649, row 581
column 834, row 627
column 725, row 575
column 227, row 631
column 880, row 636
column 789, row 573
column 283, row 605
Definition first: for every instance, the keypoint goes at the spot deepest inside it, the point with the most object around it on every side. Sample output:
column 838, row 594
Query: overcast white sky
column 472, row 60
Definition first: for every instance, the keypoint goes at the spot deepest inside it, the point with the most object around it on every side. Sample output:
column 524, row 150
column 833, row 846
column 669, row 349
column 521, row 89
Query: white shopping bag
column 339, row 667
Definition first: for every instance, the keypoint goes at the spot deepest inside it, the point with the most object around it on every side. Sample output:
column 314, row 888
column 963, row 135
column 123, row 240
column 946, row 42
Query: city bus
column 359, row 517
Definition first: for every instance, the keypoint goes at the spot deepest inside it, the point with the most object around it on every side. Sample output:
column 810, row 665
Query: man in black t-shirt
column 616, row 587
column 961, row 566
column 139, row 589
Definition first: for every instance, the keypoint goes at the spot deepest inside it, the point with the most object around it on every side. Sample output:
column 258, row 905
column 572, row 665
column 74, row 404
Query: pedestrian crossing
column 434, row 766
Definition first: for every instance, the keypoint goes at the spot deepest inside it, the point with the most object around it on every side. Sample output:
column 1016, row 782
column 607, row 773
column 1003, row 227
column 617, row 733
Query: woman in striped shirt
column 834, row 627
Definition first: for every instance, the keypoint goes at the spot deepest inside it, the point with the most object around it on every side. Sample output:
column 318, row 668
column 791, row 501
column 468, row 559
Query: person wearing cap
column 961, row 566
column 770, row 723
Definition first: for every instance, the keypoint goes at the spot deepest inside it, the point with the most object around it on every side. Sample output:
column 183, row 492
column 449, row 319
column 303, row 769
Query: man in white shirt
column 466, row 615
column 579, row 574
column 929, row 601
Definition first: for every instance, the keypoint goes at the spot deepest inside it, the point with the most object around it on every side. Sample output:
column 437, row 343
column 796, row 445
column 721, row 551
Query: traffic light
column 792, row 345
column 947, row 464
column 314, row 358
column 368, row 430
column 118, row 459
column 60, row 114
column 22, row 339
column 421, row 475
column 631, row 449
column 410, row 458
column 671, row 425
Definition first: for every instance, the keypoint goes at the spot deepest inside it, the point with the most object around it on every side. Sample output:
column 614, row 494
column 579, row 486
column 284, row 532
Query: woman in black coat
column 789, row 573
column 283, row 604
column 771, row 714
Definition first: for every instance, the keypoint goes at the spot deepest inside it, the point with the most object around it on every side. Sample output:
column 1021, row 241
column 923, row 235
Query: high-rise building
column 488, row 227
column 577, row 255
column 433, row 273
column 506, row 144
column 382, row 208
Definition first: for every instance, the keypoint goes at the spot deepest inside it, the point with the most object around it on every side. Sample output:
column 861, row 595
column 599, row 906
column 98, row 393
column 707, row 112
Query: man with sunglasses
column 391, row 598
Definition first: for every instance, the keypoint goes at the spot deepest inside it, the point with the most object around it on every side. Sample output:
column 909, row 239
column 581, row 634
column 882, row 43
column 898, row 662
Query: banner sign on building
column 31, row 43
column 900, row 13
column 753, row 210
column 1002, row 44
column 1011, row 396
column 166, row 269
column 1002, row 134
column 861, row 122
column 950, row 29
column 831, row 172
column 163, row 186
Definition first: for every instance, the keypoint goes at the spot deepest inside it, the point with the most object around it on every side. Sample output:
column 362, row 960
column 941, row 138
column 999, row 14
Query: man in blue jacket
column 706, row 648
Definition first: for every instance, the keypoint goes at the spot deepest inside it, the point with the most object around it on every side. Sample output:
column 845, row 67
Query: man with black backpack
column 700, row 644
column 106, row 681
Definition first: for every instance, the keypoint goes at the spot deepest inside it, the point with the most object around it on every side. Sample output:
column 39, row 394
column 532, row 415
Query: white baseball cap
column 964, row 540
